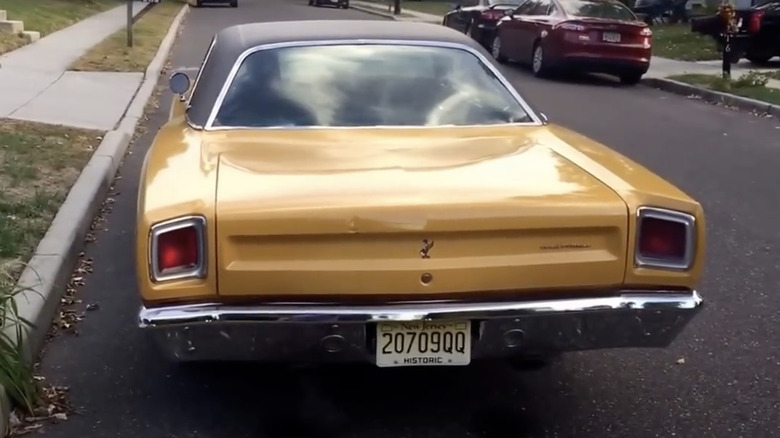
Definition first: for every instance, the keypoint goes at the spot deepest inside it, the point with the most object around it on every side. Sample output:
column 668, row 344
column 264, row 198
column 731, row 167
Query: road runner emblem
column 427, row 245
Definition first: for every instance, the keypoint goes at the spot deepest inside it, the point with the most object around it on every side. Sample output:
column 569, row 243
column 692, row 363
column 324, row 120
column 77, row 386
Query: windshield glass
column 598, row 9
column 366, row 85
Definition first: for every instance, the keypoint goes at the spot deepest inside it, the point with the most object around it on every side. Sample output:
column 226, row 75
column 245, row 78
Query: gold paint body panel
column 344, row 212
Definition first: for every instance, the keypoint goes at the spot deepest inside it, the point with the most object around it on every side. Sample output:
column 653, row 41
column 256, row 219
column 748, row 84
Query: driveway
column 720, row 379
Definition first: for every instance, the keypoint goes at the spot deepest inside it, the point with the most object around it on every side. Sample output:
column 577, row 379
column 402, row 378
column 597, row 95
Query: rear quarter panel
column 176, row 180
column 638, row 186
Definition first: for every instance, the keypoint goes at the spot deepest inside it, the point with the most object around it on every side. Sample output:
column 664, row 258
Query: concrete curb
column 711, row 96
column 46, row 275
column 375, row 11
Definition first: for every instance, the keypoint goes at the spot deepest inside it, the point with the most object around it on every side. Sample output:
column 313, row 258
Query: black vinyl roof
column 231, row 42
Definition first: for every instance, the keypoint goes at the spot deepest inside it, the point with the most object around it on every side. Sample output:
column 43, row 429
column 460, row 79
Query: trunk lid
column 604, row 30
column 320, row 212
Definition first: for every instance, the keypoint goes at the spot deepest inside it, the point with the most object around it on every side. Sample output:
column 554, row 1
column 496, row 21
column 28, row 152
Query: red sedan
column 598, row 36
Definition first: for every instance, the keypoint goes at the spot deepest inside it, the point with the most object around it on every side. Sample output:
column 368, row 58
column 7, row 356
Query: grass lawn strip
column 47, row 16
column 113, row 55
column 428, row 6
column 676, row 41
column 38, row 165
column 749, row 85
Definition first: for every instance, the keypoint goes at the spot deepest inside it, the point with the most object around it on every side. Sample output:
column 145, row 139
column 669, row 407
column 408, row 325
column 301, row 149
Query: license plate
column 423, row 343
column 611, row 37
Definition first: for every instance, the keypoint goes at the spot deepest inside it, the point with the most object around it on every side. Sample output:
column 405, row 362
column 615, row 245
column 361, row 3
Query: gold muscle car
column 371, row 191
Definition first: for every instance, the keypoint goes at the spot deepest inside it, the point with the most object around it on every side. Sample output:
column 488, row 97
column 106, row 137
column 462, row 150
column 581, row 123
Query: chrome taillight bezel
column 199, row 270
column 688, row 220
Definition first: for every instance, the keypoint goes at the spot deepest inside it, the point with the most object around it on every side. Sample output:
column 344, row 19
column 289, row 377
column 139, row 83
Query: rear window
column 366, row 85
column 611, row 10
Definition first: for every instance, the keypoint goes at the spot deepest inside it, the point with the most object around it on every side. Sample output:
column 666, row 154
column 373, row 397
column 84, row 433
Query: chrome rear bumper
column 314, row 332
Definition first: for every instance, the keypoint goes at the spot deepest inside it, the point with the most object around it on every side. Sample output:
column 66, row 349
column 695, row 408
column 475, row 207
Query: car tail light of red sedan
column 492, row 15
column 177, row 249
column 665, row 239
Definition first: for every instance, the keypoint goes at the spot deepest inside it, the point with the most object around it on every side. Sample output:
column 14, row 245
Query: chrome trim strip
column 668, row 215
column 199, row 271
column 234, row 70
column 338, row 313
column 197, row 80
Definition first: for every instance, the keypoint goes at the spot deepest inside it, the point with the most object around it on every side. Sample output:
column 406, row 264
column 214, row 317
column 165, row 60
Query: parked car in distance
column 596, row 36
column 379, row 192
column 478, row 18
column 758, row 39
column 344, row 4
column 232, row 3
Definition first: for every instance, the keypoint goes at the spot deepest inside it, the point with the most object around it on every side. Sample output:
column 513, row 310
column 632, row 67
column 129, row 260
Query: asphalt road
column 726, row 387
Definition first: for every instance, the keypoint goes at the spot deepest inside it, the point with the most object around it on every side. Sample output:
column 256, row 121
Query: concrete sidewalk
column 35, row 85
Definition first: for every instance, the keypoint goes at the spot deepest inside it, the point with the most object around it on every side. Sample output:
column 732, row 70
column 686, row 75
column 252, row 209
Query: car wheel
column 345, row 6
column 496, row 51
column 539, row 64
column 758, row 59
column 630, row 78
column 199, row 3
column 233, row 3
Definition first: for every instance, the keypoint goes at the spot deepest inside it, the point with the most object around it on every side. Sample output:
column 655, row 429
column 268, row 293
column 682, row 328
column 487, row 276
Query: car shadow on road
column 487, row 399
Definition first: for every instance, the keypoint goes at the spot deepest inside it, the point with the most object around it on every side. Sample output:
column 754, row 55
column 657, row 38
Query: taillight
column 754, row 25
column 492, row 15
column 177, row 249
column 665, row 239
column 646, row 32
column 570, row 26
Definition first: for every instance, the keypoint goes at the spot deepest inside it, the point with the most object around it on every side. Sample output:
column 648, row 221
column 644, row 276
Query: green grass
column 47, row 16
column 428, row 6
column 676, row 41
column 752, row 85
column 113, row 55
column 38, row 165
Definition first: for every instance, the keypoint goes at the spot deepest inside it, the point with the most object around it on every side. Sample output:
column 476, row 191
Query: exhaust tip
column 513, row 338
column 333, row 343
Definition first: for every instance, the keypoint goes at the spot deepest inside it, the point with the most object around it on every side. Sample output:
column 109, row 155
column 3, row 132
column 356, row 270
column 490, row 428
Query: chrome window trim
column 668, row 215
column 200, row 269
column 197, row 79
column 237, row 64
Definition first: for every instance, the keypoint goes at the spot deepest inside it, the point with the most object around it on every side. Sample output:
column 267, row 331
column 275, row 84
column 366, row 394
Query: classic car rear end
column 431, row 228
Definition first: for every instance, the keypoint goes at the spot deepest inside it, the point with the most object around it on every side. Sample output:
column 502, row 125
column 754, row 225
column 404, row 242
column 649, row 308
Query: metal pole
column 727, row 57
column 129, row 23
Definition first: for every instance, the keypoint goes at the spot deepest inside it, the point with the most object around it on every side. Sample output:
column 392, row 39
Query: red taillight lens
column 754, row 25
column 178, row 249
column 492, row 15
column 662, row 239
column 566, row 25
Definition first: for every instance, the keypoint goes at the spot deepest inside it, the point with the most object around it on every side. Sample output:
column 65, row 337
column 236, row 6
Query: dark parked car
column 758, row 39
column 232, row 3
column 478, row 18
column 337, row 3
column 597, row 36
